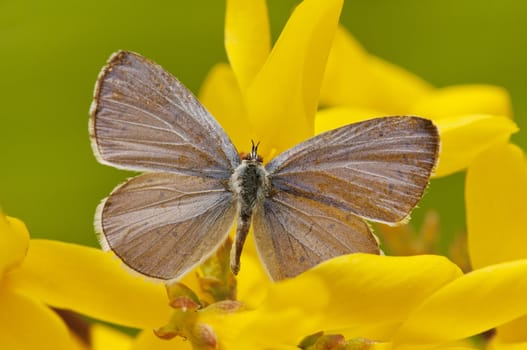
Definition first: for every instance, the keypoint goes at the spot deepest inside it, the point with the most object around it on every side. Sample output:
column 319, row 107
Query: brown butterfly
column 306, row 205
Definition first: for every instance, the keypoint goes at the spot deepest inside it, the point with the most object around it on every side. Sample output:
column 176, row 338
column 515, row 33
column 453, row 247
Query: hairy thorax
column 250, row 185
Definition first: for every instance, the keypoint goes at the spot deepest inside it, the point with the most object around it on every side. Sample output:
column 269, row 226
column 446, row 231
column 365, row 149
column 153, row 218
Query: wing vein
column 150, row 114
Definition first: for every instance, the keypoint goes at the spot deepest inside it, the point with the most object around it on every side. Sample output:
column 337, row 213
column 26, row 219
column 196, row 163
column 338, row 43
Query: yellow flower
column 106, row 338
column 496, row 193
column 417, row 302
column 87, row 335
column 496, row 189
column 360, row 295
column 356, row 86
column 36, row 274
column 272, row 97
column 25, row 322
column 471, row 304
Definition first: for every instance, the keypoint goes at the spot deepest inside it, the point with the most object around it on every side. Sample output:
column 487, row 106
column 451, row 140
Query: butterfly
column 306, row 205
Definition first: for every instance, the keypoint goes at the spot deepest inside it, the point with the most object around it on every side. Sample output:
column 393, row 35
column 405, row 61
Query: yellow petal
column 346, row 80
column 332, row 118
column 253, row 281
column 464, row 137
column 107, row 338
column 514, row 331
column 497, row 344
column 277, row 329
column 147, row 340
column 26, row 324
column 282, row 100
column 453, row 348
column 510, row 336
column 364, row 293
column 464, row 99
column 435, row 347
column 366, row 288
column 395, row 88
column 469, row 305
column 496, row 194
column 380, row 346
column 226, row 324
column 247, row 38
column 465, row 344
column 221, row 96
column 356, row 79
column 14, row 241
column 91, row 282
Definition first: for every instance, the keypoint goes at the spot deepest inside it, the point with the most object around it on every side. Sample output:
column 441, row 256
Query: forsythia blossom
column 271, row 94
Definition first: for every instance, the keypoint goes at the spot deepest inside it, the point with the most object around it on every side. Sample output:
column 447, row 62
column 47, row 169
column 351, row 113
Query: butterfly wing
column 144, row 119
column 295, row 233
column 320, row 189
column 377, row 169
column 162, row 225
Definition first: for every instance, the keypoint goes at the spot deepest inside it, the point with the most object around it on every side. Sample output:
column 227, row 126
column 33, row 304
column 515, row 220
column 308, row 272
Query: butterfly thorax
column 250, row 185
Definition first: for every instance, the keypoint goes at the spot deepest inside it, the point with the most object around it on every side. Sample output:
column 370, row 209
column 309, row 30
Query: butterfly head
column 253, row 155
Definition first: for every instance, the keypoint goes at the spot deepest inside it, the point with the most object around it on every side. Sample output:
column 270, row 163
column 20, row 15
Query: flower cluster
column 273, row 93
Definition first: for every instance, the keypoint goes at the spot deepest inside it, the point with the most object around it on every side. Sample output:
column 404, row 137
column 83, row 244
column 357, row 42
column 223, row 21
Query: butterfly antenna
column 254, row 150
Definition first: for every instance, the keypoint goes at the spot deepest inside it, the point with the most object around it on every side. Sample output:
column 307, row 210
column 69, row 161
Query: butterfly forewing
column 377, row 169
column 163, row 224
column 144, row 119
column 295, row 233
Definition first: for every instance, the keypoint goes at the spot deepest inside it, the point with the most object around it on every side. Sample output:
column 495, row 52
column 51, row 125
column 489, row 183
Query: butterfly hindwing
column 162, row 224
column 295, row 233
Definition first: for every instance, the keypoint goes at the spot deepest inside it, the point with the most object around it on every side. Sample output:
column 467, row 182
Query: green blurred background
column 51, row 53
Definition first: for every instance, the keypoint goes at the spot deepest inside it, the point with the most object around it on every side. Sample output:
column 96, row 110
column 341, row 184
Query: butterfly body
column 250, row 185
column 306, row 205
